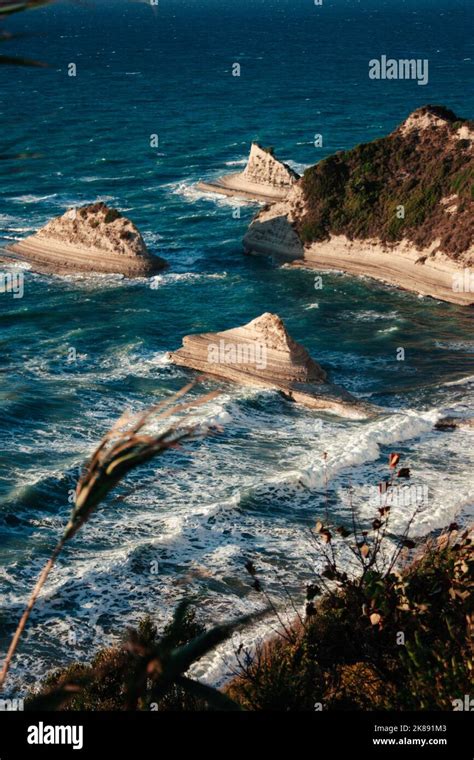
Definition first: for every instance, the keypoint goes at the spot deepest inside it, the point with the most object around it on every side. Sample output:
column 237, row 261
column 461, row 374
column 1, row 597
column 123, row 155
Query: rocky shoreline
column 428, row 273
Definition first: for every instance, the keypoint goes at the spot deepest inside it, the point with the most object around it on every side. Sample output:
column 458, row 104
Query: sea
column 138, row 103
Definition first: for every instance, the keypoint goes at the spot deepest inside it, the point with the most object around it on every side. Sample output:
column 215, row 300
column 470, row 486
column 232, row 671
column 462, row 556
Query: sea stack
column 264, row 178
column 92, row 238
column 399, row 209
column 262, row 354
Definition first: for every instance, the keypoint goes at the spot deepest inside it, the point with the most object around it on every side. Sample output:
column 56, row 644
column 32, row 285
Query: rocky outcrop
column 264, row 178
column 399, row 209
column 273, row 230
column 262, row 354
column 264, row 169
column 91, row 238
column 452, row 423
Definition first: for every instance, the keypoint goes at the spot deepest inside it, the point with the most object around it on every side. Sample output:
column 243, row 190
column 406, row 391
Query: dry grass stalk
column 122, row 449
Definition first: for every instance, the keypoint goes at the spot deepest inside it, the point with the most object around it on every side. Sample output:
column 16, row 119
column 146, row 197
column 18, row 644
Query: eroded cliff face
column 97, row 227
column 264, row 169
column 272, row 231
column 264, row 178
column 261, row 349
column 92, row 238
column 399, row 209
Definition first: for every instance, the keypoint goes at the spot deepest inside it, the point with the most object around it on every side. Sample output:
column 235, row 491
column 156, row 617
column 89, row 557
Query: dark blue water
column 199, row 514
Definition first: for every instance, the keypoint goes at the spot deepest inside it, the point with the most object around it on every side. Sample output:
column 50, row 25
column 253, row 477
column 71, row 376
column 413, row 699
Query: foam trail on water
column 355, row 449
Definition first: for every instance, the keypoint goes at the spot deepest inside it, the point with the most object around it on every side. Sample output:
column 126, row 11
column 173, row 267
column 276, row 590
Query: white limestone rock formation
column 264, row 178
column 433, row 257
column 272, row 232
column 263, row 354
column 92, row 238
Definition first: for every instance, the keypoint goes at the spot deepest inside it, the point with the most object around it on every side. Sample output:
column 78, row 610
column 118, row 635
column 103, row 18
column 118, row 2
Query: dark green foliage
column 6, row 9
column 437, row 658
column 348, row 654
column 356, row 193
column 111, row 215
column 372, row 637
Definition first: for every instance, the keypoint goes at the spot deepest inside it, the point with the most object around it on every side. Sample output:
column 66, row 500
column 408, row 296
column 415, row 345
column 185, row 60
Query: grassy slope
column 357, row 192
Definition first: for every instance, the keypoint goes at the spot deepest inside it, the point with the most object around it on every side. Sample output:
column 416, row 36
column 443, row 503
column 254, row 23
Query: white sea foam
column 298, row 167
column 31, row 198
column 461, row 381
column 240, row 162
column 352, row 449
column 191, row 193
column 99, row 178
column 8, row 219
column 456, row 345
column 94, row 280
column 151, row 237
column 366, row 315
column 201, row 512
column 171, row 278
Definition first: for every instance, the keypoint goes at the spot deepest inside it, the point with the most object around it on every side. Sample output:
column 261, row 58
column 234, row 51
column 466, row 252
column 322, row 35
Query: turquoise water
column 255, row 489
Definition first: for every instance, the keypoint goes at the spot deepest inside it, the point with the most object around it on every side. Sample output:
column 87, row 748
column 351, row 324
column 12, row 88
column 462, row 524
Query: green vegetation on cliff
column 358, row 192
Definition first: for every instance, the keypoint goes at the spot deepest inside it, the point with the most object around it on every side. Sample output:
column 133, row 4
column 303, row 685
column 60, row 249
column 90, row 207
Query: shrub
column 146, row 672
column 356, row 192
column 111, row 215
column 373, row 636
column 103, row 683
column 348, row 652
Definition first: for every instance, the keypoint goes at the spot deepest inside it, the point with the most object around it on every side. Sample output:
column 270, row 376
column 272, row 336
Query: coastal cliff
column 399, row 209
column 92, row 238
column 264, row 178
column 262, row 354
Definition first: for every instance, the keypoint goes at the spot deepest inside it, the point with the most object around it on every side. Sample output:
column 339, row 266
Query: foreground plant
column 380, row 633
column 126, row 446
column 146, row 672
column 7, row 7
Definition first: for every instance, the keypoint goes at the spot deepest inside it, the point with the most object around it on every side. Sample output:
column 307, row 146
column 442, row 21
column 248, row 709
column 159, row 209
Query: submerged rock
column 451, row 423
column 262, row 354
column 92, row 238
column 265, row 178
